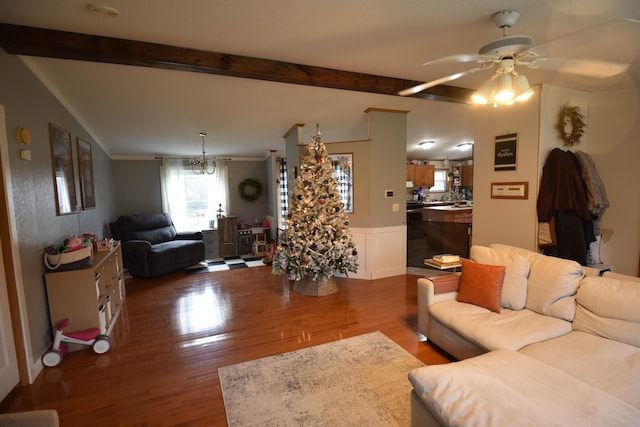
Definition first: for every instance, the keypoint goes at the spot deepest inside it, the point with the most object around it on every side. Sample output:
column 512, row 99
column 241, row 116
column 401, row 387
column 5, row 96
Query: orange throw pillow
column 481, row 284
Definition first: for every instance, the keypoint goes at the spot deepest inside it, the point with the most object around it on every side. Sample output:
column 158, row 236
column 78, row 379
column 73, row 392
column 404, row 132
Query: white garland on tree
column 317, row 241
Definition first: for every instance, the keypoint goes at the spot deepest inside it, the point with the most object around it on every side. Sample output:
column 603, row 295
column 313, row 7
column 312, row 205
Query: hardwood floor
column 174, row 332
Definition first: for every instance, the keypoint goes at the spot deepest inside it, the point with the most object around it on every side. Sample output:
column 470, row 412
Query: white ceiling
column 143, row 112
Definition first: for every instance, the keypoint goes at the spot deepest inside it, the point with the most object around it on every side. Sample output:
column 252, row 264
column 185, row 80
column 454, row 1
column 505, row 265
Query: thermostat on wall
column 388, row 194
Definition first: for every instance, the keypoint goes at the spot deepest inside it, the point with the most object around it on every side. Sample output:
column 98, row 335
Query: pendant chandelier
column 505, row 87
column 202, row 165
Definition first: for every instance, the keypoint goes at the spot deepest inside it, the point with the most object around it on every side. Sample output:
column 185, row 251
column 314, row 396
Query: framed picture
column 505, row 154
column 343, row 173
column 510, row 190
column 64, row 182
column 85, row 169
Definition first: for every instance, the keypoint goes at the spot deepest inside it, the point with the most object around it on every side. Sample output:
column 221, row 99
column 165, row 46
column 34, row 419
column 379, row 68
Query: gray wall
column 138, row 184
column 29, row 104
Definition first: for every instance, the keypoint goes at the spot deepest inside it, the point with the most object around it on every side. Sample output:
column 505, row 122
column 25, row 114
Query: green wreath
column 570, row 125
column 252, row 196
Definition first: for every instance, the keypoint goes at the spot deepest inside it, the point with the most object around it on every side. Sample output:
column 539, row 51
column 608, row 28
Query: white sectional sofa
column 562, row 348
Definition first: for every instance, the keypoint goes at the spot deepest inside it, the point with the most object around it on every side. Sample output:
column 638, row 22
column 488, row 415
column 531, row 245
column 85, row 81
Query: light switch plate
column 25, row 154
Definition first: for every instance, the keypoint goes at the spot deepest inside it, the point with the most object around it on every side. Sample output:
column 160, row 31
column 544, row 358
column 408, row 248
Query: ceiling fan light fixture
column 521, row 88
column 483, row 94
column 504, row 88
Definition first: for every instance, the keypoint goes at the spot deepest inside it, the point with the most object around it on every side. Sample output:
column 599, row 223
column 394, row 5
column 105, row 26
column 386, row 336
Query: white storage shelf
column 90, row 297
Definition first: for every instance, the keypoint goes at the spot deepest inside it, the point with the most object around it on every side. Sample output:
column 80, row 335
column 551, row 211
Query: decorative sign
column 505, row 156
column 510, row 190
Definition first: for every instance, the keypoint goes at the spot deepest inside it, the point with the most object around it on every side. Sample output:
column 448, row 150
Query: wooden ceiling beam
column 31, row 41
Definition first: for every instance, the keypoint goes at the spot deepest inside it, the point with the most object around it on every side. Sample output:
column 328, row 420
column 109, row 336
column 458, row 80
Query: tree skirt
column 356, row 381
column 316, row 288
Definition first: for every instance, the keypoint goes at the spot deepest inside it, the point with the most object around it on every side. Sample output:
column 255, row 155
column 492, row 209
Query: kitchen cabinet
column 466, row 175
column 421, row 175
column 462, row 176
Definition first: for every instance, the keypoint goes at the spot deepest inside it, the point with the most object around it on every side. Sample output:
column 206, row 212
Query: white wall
column 614, row 145
column 512, row 222
column 611, row 139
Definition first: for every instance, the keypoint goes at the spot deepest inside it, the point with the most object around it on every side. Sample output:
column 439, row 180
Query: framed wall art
column 64, row 182
column 510, row 190
column 505, row 154
column 85, row 169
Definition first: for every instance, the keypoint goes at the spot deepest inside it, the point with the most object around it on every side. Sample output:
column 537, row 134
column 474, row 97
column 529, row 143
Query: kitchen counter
column 455, row 214
column 450, row 208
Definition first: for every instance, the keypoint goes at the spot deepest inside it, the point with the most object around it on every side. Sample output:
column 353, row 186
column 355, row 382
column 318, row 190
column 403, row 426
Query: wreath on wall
column 570, row 125
column 253, row 194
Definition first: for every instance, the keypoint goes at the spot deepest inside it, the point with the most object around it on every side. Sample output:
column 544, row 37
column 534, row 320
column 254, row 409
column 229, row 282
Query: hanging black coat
column 562, row 197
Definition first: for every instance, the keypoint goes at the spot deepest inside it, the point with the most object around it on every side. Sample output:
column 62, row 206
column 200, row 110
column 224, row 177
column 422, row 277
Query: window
column 440, row 181
column 342, row 170
column 283, row 195
column 191, row 199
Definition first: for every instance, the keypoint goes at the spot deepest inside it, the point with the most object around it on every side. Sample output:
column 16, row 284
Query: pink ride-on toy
column 100, row 343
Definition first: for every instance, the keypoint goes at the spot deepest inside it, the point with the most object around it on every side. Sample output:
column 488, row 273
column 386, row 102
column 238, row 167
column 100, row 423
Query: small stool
column 259, row 248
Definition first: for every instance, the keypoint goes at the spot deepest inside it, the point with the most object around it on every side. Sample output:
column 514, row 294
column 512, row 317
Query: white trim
column 33, row 369
column 382, row 252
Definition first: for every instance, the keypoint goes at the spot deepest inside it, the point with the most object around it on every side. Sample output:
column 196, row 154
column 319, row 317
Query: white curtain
column 218, row 191
column 175, row 199
column 173, row 196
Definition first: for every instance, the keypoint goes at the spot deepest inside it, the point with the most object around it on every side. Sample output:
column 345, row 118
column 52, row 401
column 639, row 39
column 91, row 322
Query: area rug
column 358, row 381
column 227, row 263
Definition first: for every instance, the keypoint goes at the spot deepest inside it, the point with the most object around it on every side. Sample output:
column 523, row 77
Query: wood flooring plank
column 175, row 331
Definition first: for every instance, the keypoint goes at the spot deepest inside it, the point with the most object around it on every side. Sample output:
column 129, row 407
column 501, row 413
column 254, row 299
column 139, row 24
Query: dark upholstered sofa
column 152, row 247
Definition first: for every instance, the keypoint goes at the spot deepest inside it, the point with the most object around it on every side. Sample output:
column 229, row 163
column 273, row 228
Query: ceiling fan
column 507, row 52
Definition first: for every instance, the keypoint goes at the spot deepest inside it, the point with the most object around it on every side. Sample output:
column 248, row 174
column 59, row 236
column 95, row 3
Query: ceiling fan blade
column 582, row 67
column 423, row 86
column 605, row 41
column 463, row 57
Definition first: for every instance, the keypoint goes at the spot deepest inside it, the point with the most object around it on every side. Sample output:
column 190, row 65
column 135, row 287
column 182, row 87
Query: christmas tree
column 316, row 242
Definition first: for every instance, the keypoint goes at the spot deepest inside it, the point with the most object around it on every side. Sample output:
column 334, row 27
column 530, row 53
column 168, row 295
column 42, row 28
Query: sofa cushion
column 509, row 329
column 614, row 275
column 514, row 286
column 609, row 308
column 609, row 365
column 552, row 283
column 152, row 227
column 505, row 388
column 481, row 284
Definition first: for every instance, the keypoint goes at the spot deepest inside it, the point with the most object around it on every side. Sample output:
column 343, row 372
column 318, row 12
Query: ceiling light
column 522, row 90
column 465, row 146
column 484, row 93
column 505, row 87
column 425, row 145
column 201, row 165
column 102, row 10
